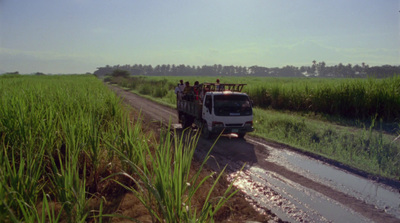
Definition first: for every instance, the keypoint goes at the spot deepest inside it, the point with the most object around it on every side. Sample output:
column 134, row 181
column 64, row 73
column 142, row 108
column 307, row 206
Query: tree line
column 319, row 69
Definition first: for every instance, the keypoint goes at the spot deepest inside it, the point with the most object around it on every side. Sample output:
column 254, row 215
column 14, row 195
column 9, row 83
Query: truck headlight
column 248, row 124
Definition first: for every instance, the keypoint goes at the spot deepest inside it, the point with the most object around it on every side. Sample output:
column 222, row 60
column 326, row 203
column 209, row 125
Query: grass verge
column 362, row 148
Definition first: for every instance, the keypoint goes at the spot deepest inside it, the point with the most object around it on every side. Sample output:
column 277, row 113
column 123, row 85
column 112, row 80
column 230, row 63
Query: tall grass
column 47, row 126
column 348, row 98
column 164, row 184
column 55, row 138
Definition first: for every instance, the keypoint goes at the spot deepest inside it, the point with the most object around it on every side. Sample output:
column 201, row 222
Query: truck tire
column 186, row 121
column 205, row 132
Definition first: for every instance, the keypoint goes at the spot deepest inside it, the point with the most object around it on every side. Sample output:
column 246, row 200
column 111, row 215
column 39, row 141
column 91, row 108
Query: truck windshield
column 232, row 105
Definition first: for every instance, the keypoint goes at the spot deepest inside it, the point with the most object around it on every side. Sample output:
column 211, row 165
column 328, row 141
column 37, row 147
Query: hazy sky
column 76, row 36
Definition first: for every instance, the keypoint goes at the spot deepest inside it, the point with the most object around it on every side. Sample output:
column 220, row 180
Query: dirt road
column 293, row 186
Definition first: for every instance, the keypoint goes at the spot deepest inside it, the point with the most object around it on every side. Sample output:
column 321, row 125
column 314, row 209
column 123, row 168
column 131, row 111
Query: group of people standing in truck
column 191, row 93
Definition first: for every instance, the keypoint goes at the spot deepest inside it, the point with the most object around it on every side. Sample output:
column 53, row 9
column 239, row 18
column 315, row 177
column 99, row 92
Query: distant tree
column 321, row 69
column 349, row 70
column 164, row 69
column 288, row 71
column 340, row 70
column 358, row 71
column 157, row 70
column 313, row 70
column 219, row 69
column 11, row 74
column 120, row 73
column 317, row 69
column 383, row 71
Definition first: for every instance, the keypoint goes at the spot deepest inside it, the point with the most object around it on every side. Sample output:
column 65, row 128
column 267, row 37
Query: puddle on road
column 379, row 195
column 291, row 201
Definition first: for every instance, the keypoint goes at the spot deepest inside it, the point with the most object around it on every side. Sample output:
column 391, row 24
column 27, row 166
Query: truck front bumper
column 227, row 130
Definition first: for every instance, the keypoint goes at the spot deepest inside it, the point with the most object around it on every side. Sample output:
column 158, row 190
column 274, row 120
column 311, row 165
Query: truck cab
column 230, row 112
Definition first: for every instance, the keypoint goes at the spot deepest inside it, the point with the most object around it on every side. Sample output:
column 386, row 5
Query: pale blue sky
column 76, row 36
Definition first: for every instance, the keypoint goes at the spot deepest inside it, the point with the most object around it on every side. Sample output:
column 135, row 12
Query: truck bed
column 192, row 108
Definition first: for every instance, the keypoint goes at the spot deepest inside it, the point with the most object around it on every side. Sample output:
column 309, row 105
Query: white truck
column 217, row 108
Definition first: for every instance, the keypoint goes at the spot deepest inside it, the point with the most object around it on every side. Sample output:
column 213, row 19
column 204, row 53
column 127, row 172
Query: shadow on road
column 227, row 150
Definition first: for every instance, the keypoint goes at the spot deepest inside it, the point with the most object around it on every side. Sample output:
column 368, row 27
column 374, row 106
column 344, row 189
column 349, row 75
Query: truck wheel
column 185, row 121
column 205, row 132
